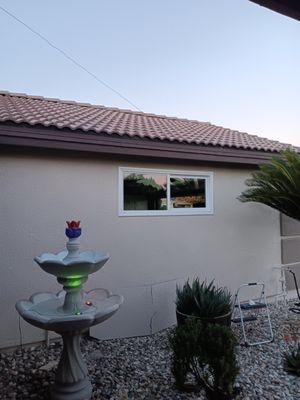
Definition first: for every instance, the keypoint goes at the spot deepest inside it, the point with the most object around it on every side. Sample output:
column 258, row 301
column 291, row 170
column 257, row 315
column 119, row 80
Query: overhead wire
column 70, row 58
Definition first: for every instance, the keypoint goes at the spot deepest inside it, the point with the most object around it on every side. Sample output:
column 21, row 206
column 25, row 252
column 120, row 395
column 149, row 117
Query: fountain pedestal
column 71, row 380
column 70, row 312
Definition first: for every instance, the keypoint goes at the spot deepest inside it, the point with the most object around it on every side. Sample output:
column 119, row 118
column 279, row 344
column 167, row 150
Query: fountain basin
column 45, row 310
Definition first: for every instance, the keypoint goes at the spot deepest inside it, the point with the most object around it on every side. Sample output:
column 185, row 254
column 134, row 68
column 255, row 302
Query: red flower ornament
column 73, row 230
column 73, row 224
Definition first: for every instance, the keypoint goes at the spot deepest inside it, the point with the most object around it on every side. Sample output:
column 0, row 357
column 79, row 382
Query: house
column 290, row 8
column 158, row 193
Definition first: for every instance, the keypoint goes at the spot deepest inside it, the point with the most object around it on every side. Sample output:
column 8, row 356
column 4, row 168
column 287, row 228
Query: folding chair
column 251, row 310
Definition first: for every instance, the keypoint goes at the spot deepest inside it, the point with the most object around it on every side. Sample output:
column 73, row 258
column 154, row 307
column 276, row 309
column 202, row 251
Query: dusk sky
column 232, row 63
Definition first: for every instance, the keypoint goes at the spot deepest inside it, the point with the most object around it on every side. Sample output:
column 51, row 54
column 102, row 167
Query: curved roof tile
column 37, row 110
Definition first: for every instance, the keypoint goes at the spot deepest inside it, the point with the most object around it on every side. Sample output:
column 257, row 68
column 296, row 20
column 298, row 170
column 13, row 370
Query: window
column 164, row 192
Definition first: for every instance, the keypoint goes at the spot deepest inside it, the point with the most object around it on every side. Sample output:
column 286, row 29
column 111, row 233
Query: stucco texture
column 149, row 255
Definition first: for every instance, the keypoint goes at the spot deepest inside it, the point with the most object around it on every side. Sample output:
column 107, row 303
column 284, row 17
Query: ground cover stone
column 139, row 368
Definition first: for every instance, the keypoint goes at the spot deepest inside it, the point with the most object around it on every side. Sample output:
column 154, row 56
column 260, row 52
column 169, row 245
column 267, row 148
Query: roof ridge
column 83, row 104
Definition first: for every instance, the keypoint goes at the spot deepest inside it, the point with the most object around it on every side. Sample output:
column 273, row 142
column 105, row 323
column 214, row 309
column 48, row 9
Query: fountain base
column 80, row 391
column 71, row 380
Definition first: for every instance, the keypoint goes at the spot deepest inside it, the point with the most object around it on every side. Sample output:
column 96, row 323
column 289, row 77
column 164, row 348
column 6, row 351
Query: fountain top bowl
column 60, row 265
column 72, row 263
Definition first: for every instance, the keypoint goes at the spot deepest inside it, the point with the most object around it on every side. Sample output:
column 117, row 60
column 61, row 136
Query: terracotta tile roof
column 37, row 110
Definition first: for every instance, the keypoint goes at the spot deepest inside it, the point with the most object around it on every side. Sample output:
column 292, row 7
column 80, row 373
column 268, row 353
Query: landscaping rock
column 49, row 366
column 139, row 368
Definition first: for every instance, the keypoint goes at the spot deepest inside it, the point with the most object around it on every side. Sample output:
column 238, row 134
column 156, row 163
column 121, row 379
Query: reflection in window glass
column 187, row 192
column 145, row 191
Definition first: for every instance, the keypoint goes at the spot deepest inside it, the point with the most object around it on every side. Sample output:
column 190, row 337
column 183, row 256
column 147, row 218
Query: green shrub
column 208, row 352
column 292, row 361
column 203, row 300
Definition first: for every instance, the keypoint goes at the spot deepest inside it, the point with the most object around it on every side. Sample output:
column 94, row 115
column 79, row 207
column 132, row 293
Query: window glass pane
column 187, row 192
column 145, row 191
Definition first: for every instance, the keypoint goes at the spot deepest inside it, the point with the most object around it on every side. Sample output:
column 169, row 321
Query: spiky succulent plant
column 203, row 300
column 292, row 361
column 277, row 184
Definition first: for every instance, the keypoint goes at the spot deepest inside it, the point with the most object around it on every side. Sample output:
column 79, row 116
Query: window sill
column 164, row 213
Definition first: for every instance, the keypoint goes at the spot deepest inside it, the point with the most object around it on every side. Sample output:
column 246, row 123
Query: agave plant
column 203, row 300
column 277, row 184
column 292, row 361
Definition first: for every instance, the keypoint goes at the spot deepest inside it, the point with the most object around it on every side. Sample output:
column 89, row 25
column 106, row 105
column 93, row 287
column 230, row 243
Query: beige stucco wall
column 239, row 243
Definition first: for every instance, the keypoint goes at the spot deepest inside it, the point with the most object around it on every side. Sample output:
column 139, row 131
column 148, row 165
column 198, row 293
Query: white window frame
column 208, row 176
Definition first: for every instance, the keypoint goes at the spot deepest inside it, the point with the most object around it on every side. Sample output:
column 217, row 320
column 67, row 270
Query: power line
column 99, row 80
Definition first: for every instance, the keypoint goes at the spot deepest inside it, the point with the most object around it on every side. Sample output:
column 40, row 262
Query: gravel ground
column 139, row 368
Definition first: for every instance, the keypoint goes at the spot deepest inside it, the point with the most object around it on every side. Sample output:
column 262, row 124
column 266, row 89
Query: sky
column 232, row 63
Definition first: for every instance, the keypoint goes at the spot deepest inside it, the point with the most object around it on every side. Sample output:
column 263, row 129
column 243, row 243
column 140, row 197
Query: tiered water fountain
column 71, row 311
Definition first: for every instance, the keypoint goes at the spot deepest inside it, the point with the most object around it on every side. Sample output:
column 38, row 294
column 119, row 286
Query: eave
column 290, row 8
column 21, row 136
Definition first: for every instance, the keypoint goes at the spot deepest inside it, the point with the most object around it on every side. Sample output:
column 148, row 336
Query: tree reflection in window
column 145, row 191
column 187, row 192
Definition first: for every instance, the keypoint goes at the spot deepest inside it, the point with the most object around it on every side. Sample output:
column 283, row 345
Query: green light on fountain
column 75, row 283
column 74, row 280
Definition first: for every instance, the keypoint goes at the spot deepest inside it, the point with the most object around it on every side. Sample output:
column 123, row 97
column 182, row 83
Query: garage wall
column 149, row 255
column 290, row 244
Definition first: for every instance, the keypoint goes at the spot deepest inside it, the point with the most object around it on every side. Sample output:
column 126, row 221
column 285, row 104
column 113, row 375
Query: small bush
column 207, row 351
column 203, row 300
column 292, row 361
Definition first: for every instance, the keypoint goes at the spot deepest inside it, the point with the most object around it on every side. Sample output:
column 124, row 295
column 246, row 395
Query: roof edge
column 288, row 8
column 68, row 140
